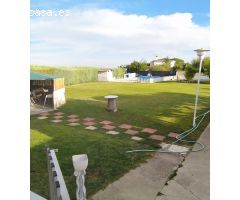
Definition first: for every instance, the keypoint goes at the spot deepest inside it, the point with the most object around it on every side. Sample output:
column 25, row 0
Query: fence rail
column 57, row 186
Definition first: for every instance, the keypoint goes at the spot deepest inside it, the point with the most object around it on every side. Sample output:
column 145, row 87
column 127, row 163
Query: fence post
column 80, row 163
column 57, row 186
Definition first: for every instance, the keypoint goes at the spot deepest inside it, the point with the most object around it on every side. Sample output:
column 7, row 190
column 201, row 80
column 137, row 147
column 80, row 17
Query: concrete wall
column 159, row 79
column 59, row 98
column 130, row 75
column 105, row 76
column 202, row 77
column 181, row 76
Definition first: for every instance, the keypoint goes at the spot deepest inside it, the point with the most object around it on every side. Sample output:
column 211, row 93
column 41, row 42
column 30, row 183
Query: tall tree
column 206, row 66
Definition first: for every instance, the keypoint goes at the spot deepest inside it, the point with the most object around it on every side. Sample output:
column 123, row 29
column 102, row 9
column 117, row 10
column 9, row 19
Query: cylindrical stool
column 112, row 103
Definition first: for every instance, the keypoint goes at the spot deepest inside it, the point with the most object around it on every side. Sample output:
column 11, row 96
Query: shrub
column 72, row 75
column 190, row 72
column 163, row 67
column 137, row 66
column 119, row 72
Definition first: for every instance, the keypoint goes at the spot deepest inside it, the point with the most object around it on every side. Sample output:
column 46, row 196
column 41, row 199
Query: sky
column 109, row 33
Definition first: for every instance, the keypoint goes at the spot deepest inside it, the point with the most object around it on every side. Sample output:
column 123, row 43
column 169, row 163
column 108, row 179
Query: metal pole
column 197, row 92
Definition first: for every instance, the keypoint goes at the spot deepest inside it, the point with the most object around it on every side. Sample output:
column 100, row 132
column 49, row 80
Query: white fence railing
column 57, row 186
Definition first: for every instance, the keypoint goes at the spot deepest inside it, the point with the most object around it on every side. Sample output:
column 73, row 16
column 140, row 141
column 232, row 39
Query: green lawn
column 163, row 106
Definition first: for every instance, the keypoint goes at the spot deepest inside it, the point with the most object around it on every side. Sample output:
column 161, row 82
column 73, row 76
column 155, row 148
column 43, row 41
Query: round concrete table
column 112, row 103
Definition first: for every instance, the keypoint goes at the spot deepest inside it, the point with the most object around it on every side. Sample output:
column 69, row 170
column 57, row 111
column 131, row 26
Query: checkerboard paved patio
column 106, row 125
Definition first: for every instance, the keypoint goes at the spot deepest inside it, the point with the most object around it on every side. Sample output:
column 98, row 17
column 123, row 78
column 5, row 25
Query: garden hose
column 180, row 137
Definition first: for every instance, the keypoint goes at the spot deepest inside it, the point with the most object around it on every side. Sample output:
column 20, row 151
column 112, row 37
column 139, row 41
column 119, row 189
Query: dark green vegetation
column 164, row 106
column 72, row 75
column 190, row 68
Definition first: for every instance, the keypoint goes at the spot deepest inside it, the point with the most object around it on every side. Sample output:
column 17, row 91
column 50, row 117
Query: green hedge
column 72, row 75
column 119, row 72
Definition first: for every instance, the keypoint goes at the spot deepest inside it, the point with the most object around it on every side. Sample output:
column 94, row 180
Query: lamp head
column 80, row 163
column 201, row 52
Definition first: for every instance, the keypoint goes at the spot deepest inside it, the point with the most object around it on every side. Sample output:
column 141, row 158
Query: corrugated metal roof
column 38, row 76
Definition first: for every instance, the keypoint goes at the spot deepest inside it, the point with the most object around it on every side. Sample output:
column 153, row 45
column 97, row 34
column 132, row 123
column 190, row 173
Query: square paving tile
column 157, row 137
column 58, row 113
column 58, row 117
column 72, row 120
column 89, row 123
column 177, row 148
column 91, row 128
column 131, row 132
column 125, row 126
column 108, row 127
column 173, row 135
column 73, row 124
column 106, row 122
column 43, row 117
column 164, row 145
column 112, row 132
column 88, row 119
column 136, row 138
column 149, row 130
column 57, row 120
column 72, row 116
column 44, row 114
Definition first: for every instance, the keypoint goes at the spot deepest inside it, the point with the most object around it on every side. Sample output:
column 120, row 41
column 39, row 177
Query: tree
column 179, row 64
column 137, row 66
column 190, row 72
column 119, row 72
column 195, row 63
column 206, row 66
column 163, row 67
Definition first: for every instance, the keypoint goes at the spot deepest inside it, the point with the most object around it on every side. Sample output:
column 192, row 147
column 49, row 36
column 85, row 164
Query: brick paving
column 131, row 132
column 105, row 122
column 157, row 137
column 57, row 121
column 149, row 130
column 173, row 135
column 89, row 123
column 91, row 128
column 73, row 124
column 108, row 127
column 136, row 138
column 72, row 120
column 43, row 117
column 125, row 126
column 112, row 132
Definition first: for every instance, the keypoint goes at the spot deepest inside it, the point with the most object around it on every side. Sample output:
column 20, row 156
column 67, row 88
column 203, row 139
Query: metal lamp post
column 80, row 163
column 200, row 54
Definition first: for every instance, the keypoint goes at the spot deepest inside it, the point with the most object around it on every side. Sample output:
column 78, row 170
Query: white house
column 159, row 61
column 105, row 74
column 130, row 75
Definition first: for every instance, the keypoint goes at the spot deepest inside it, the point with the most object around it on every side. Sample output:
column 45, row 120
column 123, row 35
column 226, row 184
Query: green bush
column 163, row 67
column 137, row 66
column 72, row 75
column 190, row 72
column 119, row 72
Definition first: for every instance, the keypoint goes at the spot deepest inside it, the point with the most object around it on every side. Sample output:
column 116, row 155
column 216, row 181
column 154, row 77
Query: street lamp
column 200, row 53
column 80, row 163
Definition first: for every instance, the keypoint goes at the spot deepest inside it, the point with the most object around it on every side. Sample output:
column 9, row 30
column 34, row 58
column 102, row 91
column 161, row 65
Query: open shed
column 47, row 90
